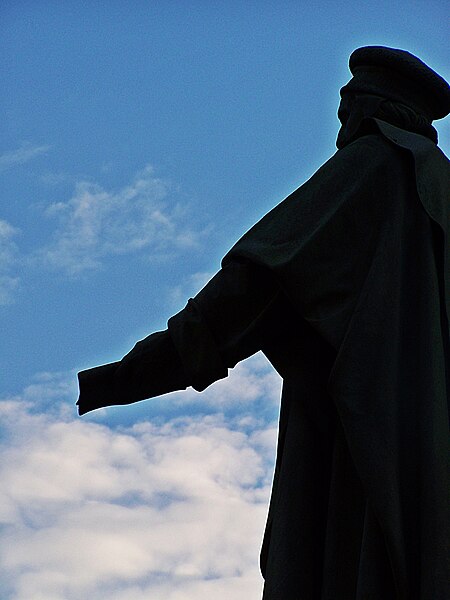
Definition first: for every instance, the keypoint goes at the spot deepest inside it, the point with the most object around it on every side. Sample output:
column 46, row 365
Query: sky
column 139, row 140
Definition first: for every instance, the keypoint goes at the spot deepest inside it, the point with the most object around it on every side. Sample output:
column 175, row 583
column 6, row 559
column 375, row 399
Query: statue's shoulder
column 366, row 154
column 423, row 148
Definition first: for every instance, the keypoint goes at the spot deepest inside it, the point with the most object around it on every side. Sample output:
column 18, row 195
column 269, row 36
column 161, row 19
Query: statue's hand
column 150, row 369
column 97, row 388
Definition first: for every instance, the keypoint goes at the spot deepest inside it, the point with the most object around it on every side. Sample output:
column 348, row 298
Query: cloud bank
column 168, row 510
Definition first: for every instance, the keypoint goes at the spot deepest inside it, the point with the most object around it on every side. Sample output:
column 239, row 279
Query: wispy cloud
column 52, row 179
column 168, row 511
column 26, row 152
column 190, row 286
column 95, row 224
column 8, row 258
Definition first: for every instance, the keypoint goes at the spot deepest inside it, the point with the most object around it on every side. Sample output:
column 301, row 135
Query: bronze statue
column 345, row 287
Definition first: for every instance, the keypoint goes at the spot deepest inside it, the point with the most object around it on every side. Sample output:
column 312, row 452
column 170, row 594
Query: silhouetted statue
column 345, row 287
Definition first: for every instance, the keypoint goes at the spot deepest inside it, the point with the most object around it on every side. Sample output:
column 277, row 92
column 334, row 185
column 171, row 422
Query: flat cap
column 400, row 76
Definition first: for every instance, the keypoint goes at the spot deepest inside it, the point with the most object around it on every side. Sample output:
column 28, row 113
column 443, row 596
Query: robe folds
column 345, row 287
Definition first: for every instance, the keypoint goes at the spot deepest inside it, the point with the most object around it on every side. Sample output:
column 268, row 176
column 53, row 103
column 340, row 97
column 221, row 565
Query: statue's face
column 343, row 116
column 353, row 109
column 344, row 109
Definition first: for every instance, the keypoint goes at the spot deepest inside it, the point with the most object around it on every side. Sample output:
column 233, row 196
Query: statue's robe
column 345, row 286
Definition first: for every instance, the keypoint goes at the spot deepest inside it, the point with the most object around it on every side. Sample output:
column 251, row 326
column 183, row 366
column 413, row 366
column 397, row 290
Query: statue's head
column 392, row 85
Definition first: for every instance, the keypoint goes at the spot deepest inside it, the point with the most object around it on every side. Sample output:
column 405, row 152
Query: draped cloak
column 345, row 287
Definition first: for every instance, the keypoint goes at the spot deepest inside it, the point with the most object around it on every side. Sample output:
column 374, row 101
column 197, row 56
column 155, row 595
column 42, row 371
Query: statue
column 345, row 287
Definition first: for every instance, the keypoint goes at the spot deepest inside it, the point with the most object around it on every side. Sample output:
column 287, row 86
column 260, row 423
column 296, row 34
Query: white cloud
column 26, row 152
column 173, row 511
column 8, row 258
column 251, row 380
column 95, row 224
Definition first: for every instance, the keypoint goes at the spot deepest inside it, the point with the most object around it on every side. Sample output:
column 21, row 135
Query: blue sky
column 139, row 140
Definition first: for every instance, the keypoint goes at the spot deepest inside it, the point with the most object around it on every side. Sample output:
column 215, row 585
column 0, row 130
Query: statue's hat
column 400, row 76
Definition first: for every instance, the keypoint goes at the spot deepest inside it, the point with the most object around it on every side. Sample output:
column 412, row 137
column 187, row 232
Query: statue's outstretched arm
column 226, row 322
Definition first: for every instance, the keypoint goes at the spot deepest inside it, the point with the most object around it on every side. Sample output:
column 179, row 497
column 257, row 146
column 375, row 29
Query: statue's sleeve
column 150, row 369
column 226, row 322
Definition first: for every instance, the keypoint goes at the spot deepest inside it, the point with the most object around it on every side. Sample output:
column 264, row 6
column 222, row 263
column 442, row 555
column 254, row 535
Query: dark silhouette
column 345, row 287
